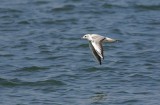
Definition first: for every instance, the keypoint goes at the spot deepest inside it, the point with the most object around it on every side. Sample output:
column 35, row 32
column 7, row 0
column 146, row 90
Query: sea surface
column 44, row 60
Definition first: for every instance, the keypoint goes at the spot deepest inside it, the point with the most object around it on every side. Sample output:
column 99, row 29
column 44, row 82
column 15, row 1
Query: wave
column 147, row 7
column 63, row 8
column 33, row 68
column 17, row 82
column 10, row 10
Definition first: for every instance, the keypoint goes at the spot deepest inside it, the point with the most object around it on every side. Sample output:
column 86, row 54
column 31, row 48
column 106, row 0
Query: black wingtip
column 100, row 62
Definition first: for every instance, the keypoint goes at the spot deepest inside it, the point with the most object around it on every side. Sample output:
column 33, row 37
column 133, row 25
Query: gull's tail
column 109, row 40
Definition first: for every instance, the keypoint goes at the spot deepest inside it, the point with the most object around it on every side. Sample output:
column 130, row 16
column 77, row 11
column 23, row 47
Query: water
column 44, row 61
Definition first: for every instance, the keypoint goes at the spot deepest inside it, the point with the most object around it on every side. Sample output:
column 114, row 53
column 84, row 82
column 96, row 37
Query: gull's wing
column 97, row 44
column 98, row 58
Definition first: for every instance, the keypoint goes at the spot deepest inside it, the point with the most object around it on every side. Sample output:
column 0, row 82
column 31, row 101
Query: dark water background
column 44, row 61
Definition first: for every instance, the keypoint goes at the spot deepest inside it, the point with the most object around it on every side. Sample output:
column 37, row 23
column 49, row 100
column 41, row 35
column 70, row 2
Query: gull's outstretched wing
column 97, row 44
column 98, row 58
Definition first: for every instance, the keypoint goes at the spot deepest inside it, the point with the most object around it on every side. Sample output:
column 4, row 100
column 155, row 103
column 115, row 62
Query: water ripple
column 10, row 10
column 33, row 68
column 63, row 8
column 17, row 82
column 147, row 7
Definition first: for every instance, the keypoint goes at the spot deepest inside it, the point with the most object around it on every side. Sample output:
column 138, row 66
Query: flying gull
column 95, row 43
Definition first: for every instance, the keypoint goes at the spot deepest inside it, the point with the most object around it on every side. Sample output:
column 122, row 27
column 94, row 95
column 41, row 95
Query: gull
column 95, row 43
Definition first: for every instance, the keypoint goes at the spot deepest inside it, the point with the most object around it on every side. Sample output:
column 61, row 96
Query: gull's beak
column 83, row 37
column 110, row 40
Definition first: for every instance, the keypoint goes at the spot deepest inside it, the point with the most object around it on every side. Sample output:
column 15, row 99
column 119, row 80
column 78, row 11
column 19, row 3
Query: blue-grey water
column 44, row 61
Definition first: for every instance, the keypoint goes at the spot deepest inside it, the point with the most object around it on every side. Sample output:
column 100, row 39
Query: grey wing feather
column 98, row 58
column 98, row 38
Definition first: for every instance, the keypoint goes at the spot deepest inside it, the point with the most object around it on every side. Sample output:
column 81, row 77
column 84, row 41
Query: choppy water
column 44, row 61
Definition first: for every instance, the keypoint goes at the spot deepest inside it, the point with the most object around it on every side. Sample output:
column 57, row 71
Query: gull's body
column 95, row 43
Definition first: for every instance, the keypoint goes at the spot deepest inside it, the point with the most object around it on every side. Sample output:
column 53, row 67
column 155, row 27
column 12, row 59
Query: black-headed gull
column 95, row 43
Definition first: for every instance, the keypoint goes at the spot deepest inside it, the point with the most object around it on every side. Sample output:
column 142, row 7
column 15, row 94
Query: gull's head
column 86, row 36
column 110, row 39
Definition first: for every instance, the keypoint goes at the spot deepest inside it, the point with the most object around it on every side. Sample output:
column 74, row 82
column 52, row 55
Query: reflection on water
column 99, row 97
